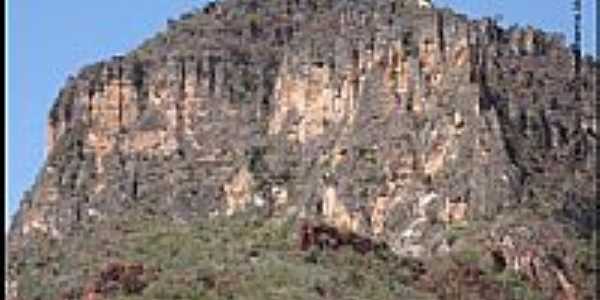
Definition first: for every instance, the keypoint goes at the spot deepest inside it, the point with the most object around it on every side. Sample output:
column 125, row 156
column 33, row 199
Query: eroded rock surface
column 391, row 119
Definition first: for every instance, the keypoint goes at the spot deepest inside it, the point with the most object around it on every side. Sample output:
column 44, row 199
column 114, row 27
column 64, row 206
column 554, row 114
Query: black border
column 597, row 169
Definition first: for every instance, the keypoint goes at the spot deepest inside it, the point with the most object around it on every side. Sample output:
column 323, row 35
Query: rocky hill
column 447, row 158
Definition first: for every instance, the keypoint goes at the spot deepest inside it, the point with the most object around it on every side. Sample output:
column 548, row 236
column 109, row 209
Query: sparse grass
column 456, row 232
column 515, row 286
column 238, row 257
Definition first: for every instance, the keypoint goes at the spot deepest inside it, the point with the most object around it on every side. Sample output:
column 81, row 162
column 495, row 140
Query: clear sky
column 49, row 40
column 550, row 15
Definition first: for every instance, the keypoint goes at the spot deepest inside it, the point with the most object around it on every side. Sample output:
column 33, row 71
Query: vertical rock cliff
column 389, row 119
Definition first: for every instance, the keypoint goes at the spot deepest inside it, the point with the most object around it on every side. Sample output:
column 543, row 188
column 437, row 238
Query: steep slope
column 412, row 126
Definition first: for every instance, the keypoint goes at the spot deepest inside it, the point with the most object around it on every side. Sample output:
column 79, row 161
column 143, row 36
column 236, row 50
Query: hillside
column 318, row 149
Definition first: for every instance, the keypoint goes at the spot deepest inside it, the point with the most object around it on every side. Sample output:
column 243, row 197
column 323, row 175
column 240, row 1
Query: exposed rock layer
column 384, row 118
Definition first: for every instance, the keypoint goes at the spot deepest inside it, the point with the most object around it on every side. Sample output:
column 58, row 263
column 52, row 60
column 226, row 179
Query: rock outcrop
column 390, row 119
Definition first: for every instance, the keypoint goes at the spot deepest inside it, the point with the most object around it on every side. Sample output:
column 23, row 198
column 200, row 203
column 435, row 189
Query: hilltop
column 335, row 149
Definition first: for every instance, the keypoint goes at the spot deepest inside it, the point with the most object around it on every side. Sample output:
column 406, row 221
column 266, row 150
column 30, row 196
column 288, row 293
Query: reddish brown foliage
column 130, row 278
column 326, row 236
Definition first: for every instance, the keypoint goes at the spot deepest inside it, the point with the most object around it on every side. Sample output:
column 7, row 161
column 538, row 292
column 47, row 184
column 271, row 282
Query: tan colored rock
column 435, row 161
column 401, row 70
column 529, row 37
column 280, row 197
column 106, row 112
column 311, row 98
column 191, row 106
column 101, row 144
column 238, row 192
column 34, row 221
column 289, row 96
column 51, row 138
column 459, row 121
column 152, row 141
column 336, row 213
column 379, row 214
column 12, row 289
column 568, row 290
column 461, row 52
column 454, row 212
column 427, row 54
column 444, row 146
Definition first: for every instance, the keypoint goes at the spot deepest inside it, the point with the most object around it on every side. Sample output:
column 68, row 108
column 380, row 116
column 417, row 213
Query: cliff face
column 385, row 118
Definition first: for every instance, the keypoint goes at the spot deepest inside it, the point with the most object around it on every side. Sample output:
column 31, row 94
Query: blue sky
column 550, row 15
column 49, row 40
